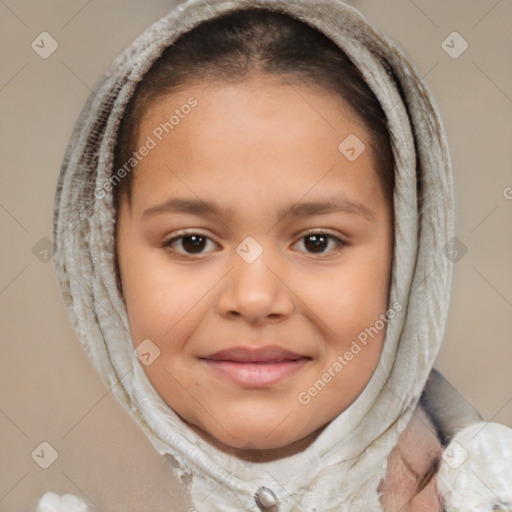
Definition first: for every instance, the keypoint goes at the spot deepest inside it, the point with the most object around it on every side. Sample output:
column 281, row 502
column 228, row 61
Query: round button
column 266, row 500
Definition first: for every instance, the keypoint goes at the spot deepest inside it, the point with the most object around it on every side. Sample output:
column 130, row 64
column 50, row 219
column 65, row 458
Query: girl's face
column 256, row 258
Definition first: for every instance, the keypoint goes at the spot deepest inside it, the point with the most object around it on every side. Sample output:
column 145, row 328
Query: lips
column 256, row 368
column 269, row 354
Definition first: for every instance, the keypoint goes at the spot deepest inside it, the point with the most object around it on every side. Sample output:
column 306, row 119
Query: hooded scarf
column 342, row 468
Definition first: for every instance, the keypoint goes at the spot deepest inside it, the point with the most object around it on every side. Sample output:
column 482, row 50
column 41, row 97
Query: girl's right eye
column 192, row 243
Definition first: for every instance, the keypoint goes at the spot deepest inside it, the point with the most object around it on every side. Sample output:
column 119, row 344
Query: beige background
column 49, row 391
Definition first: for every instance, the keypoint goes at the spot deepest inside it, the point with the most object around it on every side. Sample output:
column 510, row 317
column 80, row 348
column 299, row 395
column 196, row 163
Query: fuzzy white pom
column 476, row 470
column 51, row 502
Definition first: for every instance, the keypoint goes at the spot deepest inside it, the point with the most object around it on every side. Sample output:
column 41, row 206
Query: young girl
column 258, row 201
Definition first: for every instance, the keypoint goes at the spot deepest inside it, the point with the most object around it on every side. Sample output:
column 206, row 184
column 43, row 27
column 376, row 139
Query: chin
column 261, row 440
column 246, row 435
column 256, row 436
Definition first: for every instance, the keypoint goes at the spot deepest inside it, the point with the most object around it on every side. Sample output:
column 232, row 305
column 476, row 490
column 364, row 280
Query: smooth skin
column 256, row 149
column 253, row 148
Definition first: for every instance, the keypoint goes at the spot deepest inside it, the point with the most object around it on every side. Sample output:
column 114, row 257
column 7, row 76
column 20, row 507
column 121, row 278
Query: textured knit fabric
column 342, row 469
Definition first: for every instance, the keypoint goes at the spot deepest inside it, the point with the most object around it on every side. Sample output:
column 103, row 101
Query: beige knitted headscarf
column 341, row 470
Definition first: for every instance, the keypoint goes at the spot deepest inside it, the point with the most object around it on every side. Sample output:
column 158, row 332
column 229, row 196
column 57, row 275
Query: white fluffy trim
column 476, row 470
column 51, row 502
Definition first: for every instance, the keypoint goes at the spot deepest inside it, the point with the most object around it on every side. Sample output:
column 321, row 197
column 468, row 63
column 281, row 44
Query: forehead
column 261, row 140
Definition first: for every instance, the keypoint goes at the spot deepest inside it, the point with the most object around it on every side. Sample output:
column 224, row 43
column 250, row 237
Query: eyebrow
column 301, row 209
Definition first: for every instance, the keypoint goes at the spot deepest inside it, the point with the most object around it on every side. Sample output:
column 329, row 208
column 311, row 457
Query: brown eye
column 189, row 244
column 318, row 243
column 193, row 243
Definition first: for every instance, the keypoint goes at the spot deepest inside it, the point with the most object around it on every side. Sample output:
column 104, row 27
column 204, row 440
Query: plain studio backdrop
column 49, row 390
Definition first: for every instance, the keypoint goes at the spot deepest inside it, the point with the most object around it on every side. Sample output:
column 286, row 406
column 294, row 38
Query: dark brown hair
column 238, row 45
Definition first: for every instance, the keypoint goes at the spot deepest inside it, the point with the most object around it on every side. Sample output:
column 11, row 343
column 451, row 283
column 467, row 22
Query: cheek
column 162, row 301
column 355, row 296
column 352, row 309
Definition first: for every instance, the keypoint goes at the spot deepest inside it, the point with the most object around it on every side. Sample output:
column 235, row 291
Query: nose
column 255, row 292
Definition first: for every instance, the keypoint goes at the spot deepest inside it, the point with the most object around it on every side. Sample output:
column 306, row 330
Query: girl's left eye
column 195, row 243
column 318, row 242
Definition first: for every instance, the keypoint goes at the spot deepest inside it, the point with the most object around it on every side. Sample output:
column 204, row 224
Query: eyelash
column 183, row 234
